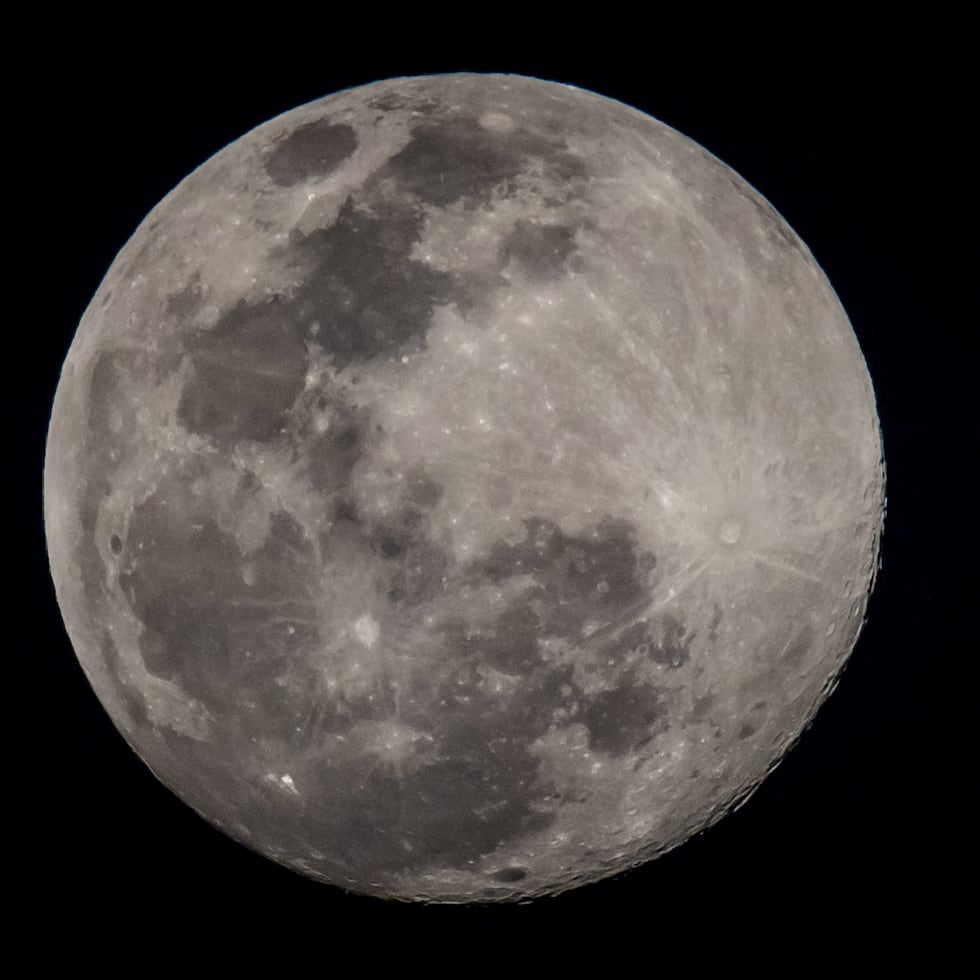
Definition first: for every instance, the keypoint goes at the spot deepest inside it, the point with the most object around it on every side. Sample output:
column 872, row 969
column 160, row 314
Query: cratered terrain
column 463, row 488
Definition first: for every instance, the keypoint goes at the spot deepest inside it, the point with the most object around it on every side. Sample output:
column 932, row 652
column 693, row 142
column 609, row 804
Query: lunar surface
column 462, row 488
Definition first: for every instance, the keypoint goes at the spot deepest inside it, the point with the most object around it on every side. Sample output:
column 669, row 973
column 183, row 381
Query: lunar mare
column 462, row 488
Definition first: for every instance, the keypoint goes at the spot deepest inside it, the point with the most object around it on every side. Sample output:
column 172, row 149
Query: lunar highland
column 462, row 488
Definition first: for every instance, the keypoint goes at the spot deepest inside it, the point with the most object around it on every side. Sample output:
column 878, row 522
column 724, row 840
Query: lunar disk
column 462, row 488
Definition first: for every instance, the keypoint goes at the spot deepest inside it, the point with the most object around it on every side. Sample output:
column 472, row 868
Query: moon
column 463, row 488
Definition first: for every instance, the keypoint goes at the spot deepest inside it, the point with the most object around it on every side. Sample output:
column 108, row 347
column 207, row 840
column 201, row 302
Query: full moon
column 463, row 488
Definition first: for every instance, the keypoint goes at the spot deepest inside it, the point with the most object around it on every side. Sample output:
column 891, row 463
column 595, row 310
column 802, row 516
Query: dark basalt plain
column 312, row 150
column 270, row 589
column 210, row 632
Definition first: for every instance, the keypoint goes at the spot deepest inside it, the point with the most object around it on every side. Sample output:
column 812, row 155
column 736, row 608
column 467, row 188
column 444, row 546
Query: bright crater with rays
column 463, row 488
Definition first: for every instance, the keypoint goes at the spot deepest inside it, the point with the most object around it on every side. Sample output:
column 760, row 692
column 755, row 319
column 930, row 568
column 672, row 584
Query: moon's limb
column 435, row 483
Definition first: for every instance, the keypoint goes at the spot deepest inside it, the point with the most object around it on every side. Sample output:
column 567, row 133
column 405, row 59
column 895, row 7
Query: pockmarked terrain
column 462, row 488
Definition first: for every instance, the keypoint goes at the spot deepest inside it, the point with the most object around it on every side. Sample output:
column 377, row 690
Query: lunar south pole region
column 463, row 488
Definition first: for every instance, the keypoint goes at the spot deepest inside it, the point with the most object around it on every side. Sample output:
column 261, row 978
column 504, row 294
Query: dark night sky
column 857, row 856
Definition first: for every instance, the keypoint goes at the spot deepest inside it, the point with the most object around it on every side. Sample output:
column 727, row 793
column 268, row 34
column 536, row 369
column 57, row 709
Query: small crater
column 115, row 544
column 674, row 650
column 667, row 642
column 388, row 103
column 730, row 532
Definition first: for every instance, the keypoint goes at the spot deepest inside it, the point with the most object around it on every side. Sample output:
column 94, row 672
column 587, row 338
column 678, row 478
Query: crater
column 665, row 640
column 730, row 532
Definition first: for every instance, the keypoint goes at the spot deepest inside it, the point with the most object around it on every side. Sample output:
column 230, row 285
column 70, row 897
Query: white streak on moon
column 436, row 485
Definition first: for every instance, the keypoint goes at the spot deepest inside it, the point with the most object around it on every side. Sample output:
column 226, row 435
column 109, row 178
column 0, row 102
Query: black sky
column 857, row 856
